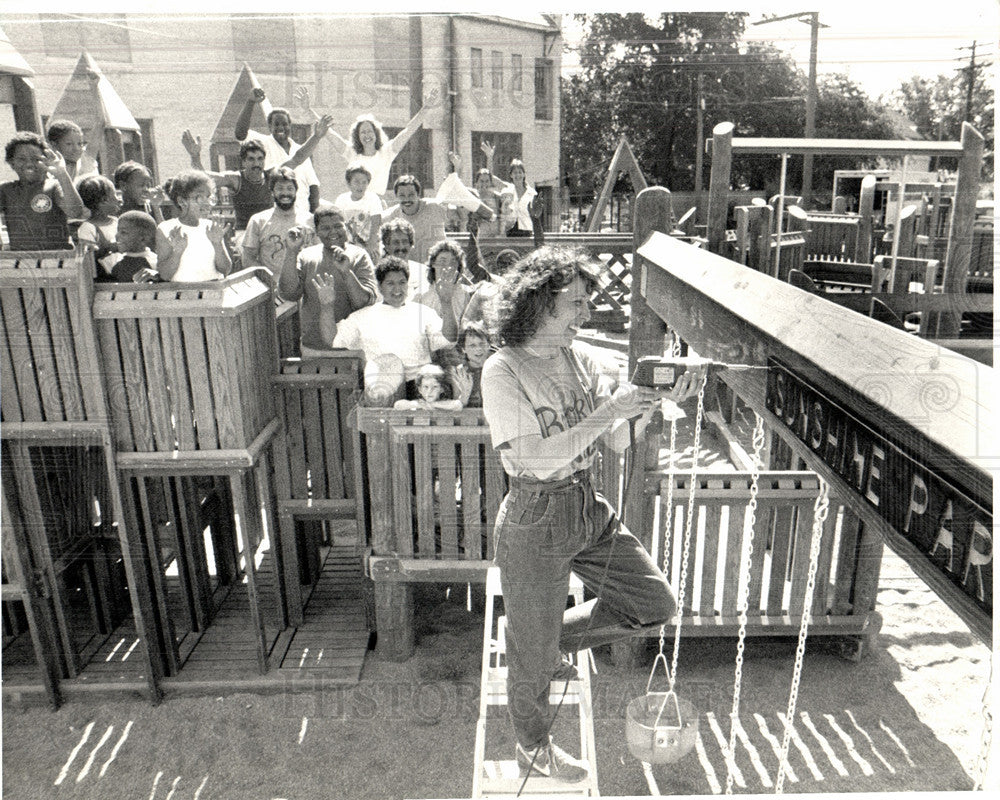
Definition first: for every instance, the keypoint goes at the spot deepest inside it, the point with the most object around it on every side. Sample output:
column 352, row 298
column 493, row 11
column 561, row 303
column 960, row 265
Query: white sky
column 879, row 43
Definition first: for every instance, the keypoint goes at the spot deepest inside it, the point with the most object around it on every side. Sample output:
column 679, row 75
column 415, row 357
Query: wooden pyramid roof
column 91, row 101
column 11, row 61
column 245, row 84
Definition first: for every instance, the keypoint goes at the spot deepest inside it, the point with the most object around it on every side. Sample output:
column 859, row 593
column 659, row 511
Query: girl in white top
column 191, row 248
column 362, row 209
column 368, row 144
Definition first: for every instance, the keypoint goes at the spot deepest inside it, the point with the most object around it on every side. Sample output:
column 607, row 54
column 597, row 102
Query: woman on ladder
column 547, row 403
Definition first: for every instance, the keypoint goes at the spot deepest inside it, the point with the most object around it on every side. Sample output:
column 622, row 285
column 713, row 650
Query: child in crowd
column 431, row 386
column 362, row 209
column 67, row 138
column 101, row 199
column 135, row 183
column 133, row 259
column 192, row 248
column 474, row 345
column 36, row 207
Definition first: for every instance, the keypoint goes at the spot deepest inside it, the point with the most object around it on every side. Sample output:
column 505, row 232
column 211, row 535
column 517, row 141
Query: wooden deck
column 330, row 645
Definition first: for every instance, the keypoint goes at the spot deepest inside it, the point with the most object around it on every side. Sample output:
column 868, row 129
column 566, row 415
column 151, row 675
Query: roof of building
column 546, row 22
column 91, row 101
column 11, row 61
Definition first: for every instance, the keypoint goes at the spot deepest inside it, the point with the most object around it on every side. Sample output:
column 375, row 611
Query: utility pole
column 812, row 19
column 699, row 155
column 811, row 99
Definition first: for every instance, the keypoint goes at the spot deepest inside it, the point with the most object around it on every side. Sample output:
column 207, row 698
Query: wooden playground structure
column 189, row 506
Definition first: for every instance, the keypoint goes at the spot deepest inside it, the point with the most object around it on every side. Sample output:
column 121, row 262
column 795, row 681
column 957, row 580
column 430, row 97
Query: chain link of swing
column 743, row 596
column 820, row 510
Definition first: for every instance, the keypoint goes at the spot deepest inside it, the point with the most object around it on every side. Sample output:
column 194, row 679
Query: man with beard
column 264, row 241
column 250, row 188
column 279, row 147
column 333, row 274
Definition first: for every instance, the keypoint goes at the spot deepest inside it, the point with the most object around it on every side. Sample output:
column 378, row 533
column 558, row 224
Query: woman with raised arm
column 368, row 144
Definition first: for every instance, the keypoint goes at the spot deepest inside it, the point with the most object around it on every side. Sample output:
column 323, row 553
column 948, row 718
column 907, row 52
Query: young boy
column 362, row 209
column 191, row 248
column 134, row 259
column 101, row 199
column 474, row 344
column 37, row 206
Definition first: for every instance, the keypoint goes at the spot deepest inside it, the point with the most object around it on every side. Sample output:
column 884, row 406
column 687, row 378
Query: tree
column 937, row 106
column 639, row 78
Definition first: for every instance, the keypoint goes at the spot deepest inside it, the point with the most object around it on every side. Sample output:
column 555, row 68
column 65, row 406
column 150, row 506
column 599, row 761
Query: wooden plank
column 158, row 389
column 67, row 368
column 424, row 489
column 181, row 402
column 381, row 476
column 734, row 544
column 142, row 514
column 37, row 535
column 799, row 570
column 800, row 146
column 846, row 563
column 135, row 383
column 222, row 375
column 107, row 334
column 824, row 580
column 784, row 534
column 472, row 500
column 333, row 450
column 312, row 425
column 448, row 510
column 247, row 521
column 424, row 570
column 41, row 342
column 762, row 534
column 710, row 559
column 400, row 495
column 295, row 433
column 242, row 345
column 200, row 378
column 16, row 326
column 10, row 404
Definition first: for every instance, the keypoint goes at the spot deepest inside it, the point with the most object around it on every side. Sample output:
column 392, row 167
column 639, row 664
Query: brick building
column 483, row 76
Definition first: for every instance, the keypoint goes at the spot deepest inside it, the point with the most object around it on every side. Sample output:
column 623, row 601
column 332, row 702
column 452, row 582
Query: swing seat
column 660, row 732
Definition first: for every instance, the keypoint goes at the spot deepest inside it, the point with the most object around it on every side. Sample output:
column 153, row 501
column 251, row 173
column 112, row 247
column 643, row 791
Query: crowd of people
column 377, row 274
column 343, row 261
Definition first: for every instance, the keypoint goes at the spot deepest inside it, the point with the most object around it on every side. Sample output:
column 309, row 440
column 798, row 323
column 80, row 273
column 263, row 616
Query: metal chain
column 682, row 587
column 669, row 511
column 675, row 351
column 986, row 742
column 743, row 594
column 820, row 511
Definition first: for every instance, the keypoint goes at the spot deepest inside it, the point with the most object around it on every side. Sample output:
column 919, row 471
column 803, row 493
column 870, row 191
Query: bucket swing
column 660, row 727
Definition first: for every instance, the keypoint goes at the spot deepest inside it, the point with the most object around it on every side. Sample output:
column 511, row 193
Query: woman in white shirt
column 516, row 217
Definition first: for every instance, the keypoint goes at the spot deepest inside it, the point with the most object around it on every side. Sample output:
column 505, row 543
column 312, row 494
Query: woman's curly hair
column 529, row 287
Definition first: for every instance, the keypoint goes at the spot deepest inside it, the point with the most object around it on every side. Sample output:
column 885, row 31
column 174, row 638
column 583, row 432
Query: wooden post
column 963, row 215
column 866, row 208
column 647, row 331
column 839, row 205
column 718, row 185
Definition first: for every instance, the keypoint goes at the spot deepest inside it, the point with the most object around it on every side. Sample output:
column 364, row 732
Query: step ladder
column 501, row 778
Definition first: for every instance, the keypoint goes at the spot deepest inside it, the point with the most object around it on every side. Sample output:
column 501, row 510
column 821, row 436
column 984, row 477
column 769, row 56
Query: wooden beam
column 424, row 570
column 900, row 429
column 623, row 158
column 718, row 185
column 858, row 147
column 648, row 333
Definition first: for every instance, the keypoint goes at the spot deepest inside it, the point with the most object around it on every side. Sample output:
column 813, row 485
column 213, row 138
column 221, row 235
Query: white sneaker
column 549, row 761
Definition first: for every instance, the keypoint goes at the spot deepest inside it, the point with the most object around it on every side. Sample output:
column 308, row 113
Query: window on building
column 516, row 70
column 267, row 46
column 508, row 146
column 477, row 68
column 391, row 39
column 543, row 88
column 414, row 159
column 496, row 69
column 104, row 36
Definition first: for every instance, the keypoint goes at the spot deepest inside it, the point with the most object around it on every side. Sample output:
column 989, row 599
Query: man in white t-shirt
column 264, row 242
column 279, row 146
